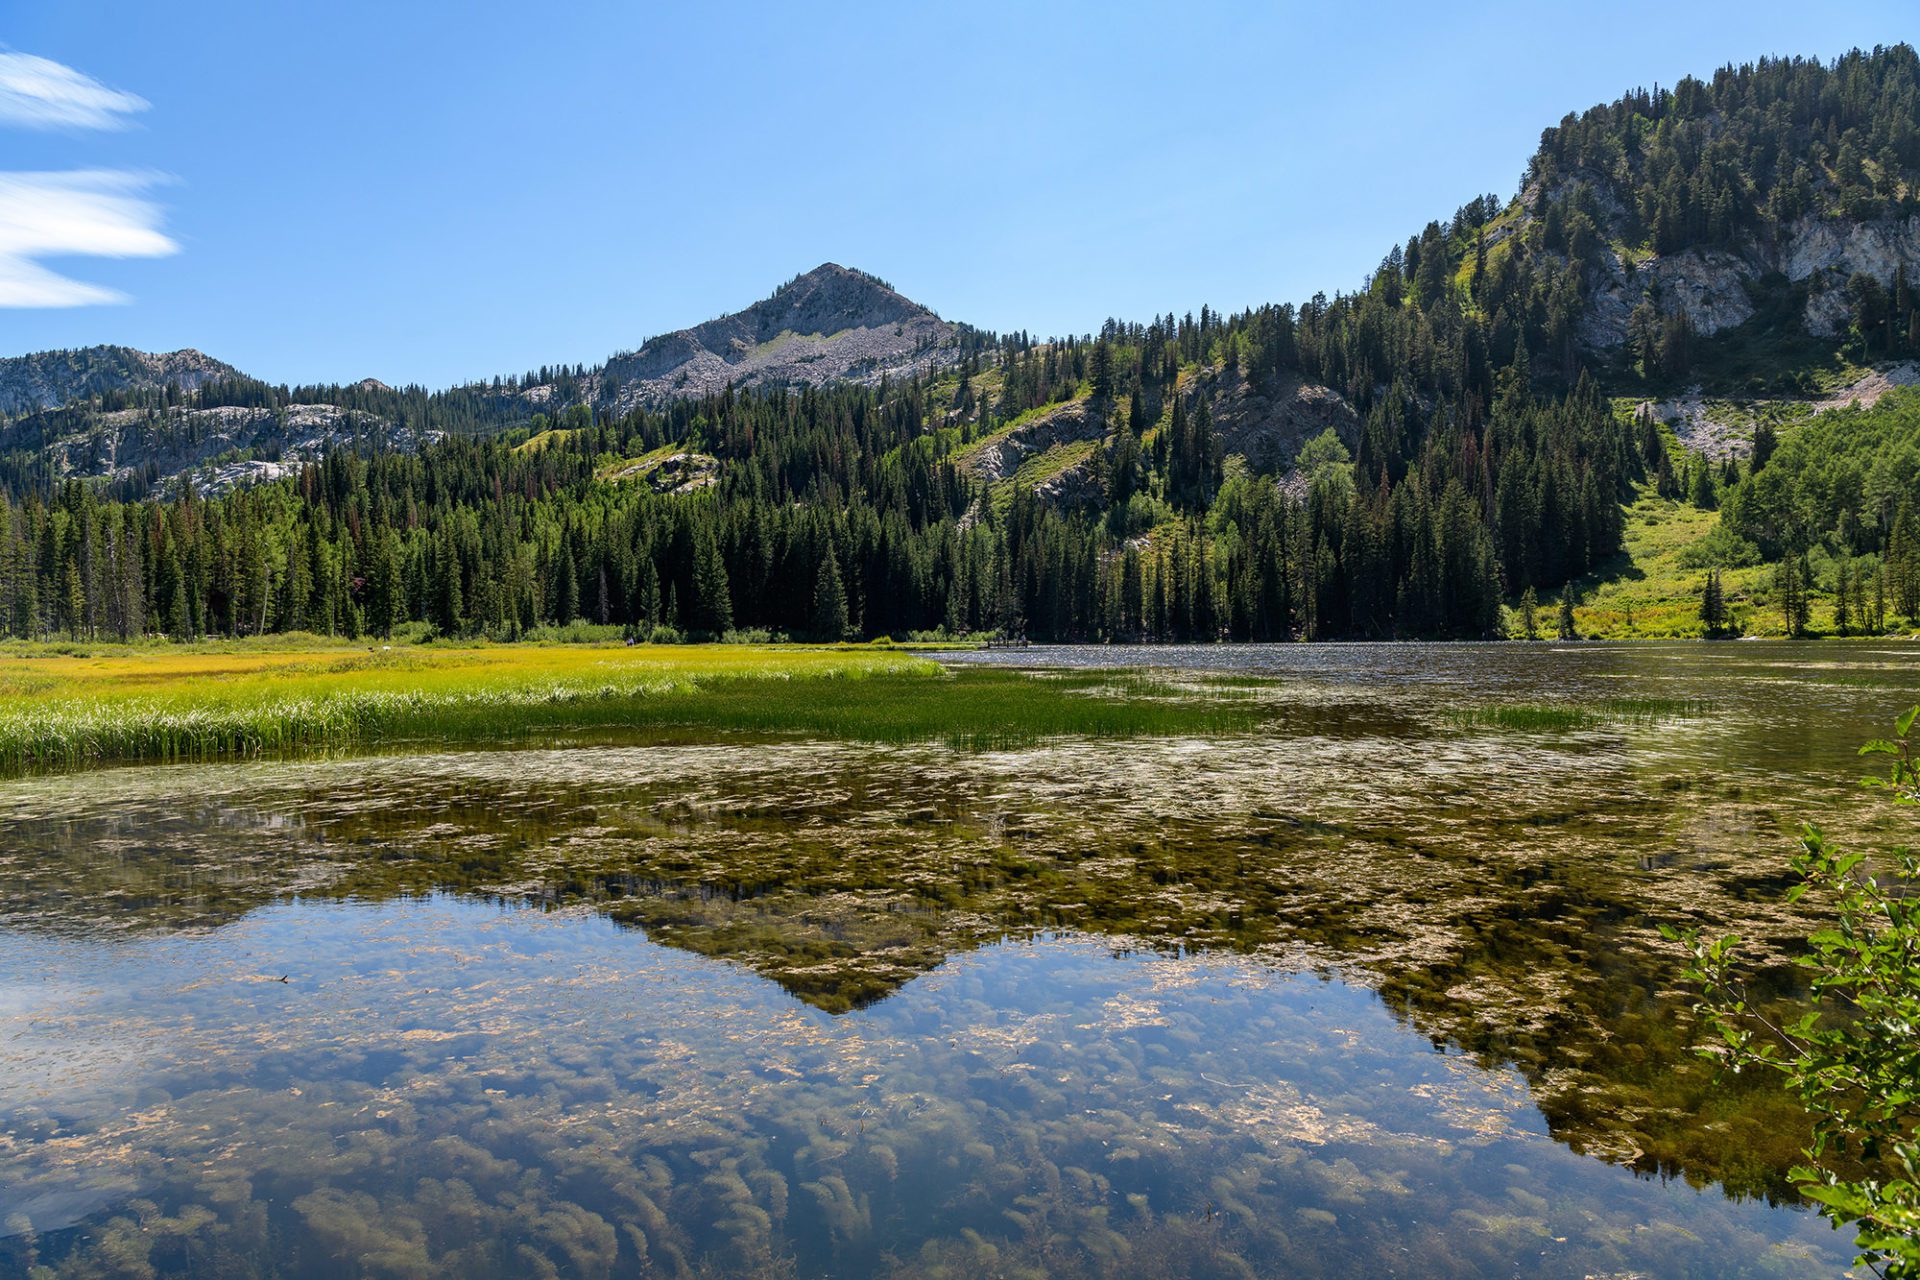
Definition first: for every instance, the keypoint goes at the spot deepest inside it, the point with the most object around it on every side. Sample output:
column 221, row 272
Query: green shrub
column 1720, row 549
column 1854, row 1060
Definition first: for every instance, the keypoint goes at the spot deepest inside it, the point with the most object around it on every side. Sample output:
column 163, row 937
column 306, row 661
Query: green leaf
column 1844, row 1199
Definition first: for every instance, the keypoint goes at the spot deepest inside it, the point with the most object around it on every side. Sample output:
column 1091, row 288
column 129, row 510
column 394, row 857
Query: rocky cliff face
column 49, row 379
column 831, row 324
column 1710, row 285
column 219, row 448
column 1266, row 425
column 1826, row 251
column 1714, row 286
column 999, row 456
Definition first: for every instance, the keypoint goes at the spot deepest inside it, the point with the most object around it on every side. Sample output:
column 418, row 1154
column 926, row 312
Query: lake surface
column 1374, row 992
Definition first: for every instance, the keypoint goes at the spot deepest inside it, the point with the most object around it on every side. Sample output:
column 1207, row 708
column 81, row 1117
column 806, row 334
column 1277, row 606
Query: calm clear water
column 1374, row 993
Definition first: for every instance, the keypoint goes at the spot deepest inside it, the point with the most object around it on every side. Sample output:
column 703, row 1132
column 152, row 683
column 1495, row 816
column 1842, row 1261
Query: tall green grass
column 70, row 713
column 1548, row 717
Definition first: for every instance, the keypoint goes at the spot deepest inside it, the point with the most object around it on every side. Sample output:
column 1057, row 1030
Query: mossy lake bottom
column 1341, row 962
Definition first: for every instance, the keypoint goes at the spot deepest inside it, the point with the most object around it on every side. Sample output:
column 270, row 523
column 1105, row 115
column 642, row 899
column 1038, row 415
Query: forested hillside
column 1437, row 453
column 840, row 511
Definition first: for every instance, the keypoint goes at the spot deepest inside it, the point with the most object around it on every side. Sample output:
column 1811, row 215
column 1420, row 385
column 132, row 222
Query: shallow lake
column 1376, row 991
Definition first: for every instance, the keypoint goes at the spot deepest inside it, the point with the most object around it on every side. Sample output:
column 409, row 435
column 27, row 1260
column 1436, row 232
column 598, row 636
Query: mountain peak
column 832, row 274
column 832, row 323
column 833, row 270
column 831, row 298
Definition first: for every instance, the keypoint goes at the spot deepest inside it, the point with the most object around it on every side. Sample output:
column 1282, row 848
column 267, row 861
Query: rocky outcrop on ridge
column 220, row 448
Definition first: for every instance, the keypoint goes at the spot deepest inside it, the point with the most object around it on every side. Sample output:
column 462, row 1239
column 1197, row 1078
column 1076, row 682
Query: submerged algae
column 1079, row 1008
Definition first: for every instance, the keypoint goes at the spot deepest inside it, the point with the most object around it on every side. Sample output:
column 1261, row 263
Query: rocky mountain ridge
column 830, row 324
column 50, row 379
column 834, row 324
column 218, row 448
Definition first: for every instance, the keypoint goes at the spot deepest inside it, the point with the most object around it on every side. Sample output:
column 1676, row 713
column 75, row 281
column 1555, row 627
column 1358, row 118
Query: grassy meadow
column 1654, row 592
column 111, row 704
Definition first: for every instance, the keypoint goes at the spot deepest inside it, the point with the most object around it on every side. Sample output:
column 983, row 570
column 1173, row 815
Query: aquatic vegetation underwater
column 1347, row 993
column 1036, row 1109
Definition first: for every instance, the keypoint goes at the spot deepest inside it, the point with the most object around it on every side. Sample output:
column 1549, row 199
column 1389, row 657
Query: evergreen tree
column 829, row 601
column 711, row 611
column 1790, row 584
column 1713, row 604
column 1903, row 563
column 649, row 608
column 1701, row 494
column 449, row 596
column 566, row 587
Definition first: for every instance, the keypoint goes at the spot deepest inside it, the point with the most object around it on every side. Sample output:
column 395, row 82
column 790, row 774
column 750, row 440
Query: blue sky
column 434, row 192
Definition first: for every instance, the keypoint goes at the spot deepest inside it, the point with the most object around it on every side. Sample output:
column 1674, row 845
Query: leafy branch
column 1854, row 1060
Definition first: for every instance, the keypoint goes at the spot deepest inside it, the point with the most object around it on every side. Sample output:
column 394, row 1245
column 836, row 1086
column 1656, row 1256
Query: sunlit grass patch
column 67, row 711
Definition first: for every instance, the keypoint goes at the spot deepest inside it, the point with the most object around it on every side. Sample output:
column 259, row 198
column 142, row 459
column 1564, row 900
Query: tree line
column 847, row 512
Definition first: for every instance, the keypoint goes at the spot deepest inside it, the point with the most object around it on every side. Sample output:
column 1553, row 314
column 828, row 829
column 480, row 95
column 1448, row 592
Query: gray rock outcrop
column 203, row 443
column 1000, row 457
column 1715, row 287
column 1710, row 285
column 1826, row 252
column 1267, row 425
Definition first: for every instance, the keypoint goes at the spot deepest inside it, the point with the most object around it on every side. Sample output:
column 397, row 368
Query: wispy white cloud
column 89, row 212
column 40, row 93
